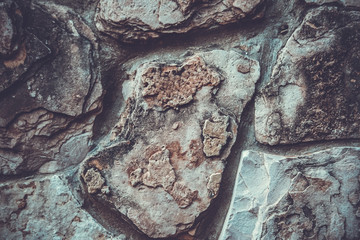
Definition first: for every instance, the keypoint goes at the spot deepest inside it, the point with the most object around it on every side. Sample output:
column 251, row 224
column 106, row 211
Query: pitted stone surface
column 313, row 92
column 347, row 3
column 41, row 102
column 45, row 208
column 303, row 197
column 172, row 86
column 142, row 20
column 160, row 173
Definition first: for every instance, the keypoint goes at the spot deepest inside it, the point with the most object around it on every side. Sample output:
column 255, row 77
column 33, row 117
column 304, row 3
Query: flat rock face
column 45, row 208
column 161, row 165
column 40, row 102
column 313, row 196
column 141, row 20
column 314, row 89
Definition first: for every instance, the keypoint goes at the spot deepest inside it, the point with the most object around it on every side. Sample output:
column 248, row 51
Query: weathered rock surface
column 125, row 119
column 313, row 196
column 142, row 20
column 40, row 103
column 45, row 208
column 161, row 165
column 314, row 89
column 347, row 3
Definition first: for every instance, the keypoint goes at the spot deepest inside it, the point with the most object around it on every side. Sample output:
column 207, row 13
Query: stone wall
column 180, row 119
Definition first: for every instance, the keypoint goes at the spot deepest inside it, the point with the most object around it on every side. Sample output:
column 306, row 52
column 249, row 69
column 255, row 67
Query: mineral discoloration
column 183, row 195
column 173, row 86
column 159, row 172
column 161, row 175
column 313, row 93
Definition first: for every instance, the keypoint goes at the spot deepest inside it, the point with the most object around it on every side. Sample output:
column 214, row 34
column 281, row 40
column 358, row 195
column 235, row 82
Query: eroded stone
column 173, row 86
column 215, row 135
column 313, row 91
column 347, row 3
column 45, row 207
column 306, row 196
column 93, row 180
column 38, row 117
column 156, row 169
column 143, row 20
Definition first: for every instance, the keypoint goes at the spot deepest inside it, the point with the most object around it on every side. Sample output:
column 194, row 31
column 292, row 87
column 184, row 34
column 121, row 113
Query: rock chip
column 45, row 208
column 300, row 197
column 215, row 135
column 141, row 20
column 162, row 177
column 313, row 93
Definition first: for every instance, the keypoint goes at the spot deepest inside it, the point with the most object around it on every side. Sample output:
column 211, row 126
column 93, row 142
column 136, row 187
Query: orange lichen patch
column 197, row 155
column 175, row 153
column 96, row 164
column 18, row 59
column 173, row 86
column 182, row 195
column 320, row 183
column 160, row 172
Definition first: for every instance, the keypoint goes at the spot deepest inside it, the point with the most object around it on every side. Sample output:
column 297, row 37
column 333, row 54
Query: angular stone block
column 311, row 196
column 313, row 93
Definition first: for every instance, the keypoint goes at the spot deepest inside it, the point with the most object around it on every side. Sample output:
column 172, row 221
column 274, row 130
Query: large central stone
column 161, row 164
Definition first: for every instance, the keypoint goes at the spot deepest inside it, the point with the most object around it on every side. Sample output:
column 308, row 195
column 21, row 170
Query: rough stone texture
column 314, row 89
column 172, row 86
column 142, row 20
column 42, row 102
column 162, row 177
column 45, row 208
column 347, row 3
column 313, row 196
column 126, row 119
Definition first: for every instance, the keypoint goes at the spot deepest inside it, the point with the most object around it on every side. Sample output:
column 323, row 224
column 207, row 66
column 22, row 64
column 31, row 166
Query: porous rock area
column 179, row 119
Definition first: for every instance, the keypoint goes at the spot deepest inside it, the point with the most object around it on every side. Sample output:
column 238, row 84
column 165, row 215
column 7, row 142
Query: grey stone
column 45, row 208
column 299, row 197
column 313, row 91
column 143, row 20
column 347, row 3
column 38, row 115
column 163, row 177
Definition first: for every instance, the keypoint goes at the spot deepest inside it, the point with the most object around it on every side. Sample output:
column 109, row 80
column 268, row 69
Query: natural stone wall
column 179, row 119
